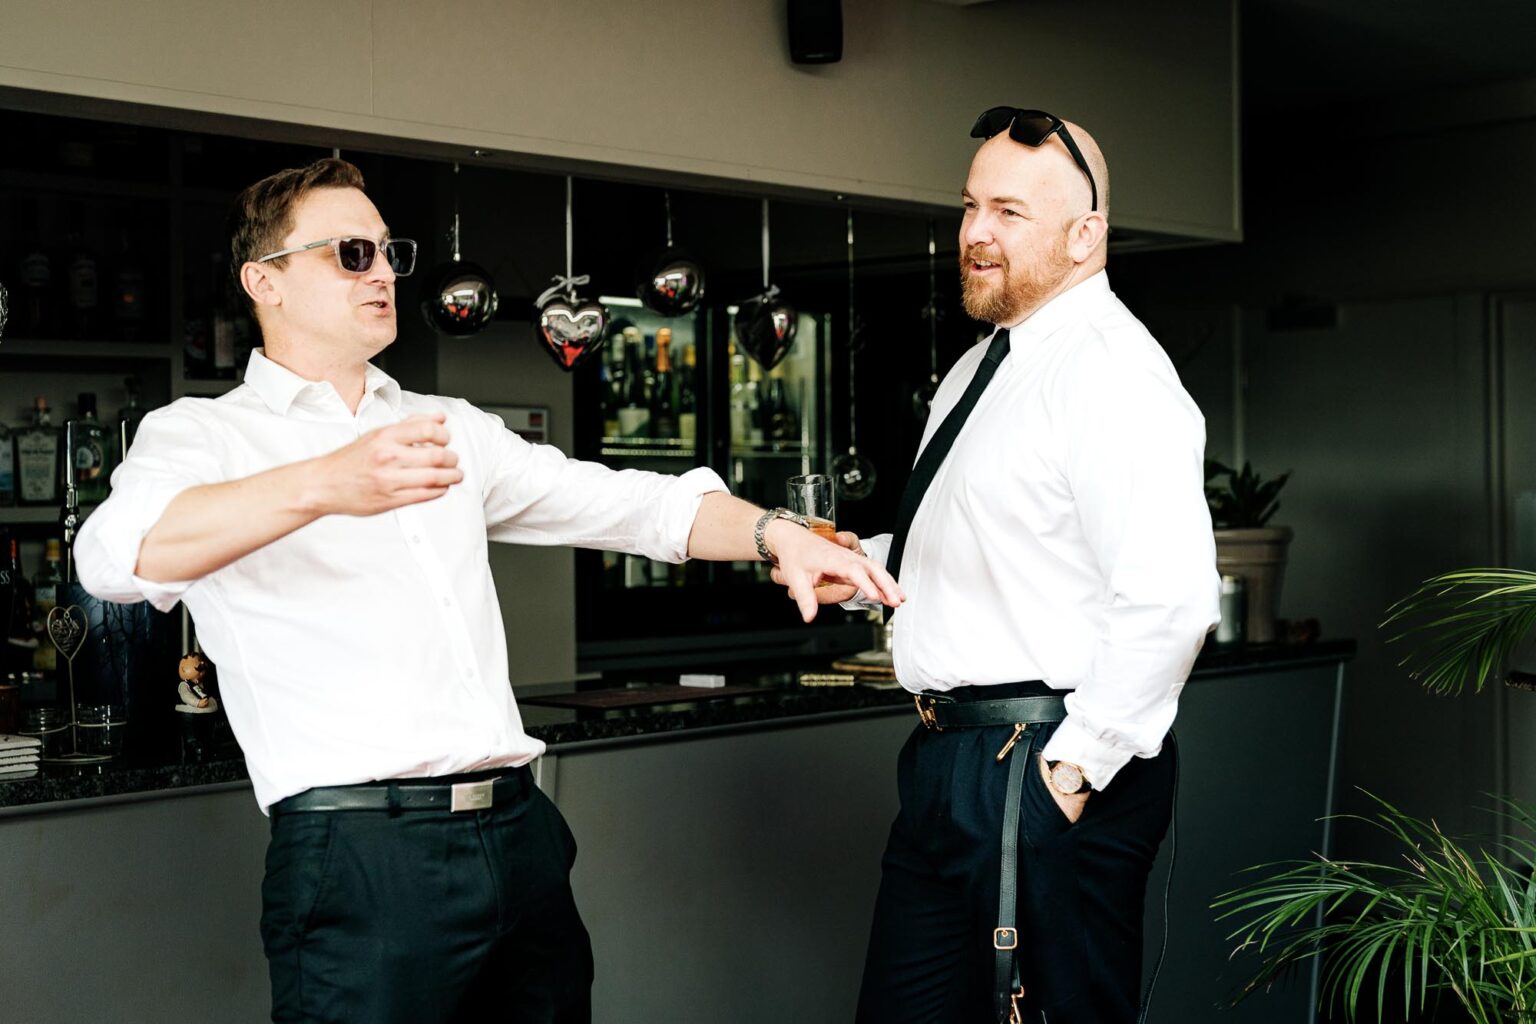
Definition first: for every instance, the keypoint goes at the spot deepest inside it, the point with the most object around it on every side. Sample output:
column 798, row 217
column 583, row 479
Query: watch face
column 1067, row 778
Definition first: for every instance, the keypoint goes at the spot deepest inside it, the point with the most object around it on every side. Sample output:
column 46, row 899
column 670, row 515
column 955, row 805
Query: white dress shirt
column 1066, row 537
column 361, row 648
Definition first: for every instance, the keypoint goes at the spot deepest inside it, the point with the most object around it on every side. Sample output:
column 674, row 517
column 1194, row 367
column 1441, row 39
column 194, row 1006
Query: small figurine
column 194, row 697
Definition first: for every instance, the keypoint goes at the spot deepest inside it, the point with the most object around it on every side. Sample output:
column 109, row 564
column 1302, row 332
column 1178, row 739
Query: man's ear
column 259, row 284
column 1085, row 235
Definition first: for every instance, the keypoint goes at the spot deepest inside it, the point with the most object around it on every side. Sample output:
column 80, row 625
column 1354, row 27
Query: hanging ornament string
column 666, row 198
column 456, row 257
column 853, row 347
column 567, row 283
column 770, row 292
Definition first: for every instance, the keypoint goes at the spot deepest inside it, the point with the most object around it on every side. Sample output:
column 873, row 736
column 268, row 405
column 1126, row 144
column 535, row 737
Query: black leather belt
column 450, row 793
column 939, row 712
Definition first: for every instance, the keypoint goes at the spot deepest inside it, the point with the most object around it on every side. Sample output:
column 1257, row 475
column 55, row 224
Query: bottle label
column 35, row 271
column 89, row 460
column 82, row 283
column 37, row 452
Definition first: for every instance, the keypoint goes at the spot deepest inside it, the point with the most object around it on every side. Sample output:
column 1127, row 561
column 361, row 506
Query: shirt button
column 469, row 673
column 416, row 538
column 447, row 602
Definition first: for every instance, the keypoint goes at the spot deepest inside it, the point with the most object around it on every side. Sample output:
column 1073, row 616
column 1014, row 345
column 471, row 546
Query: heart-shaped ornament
column 66, row 628
column 765, row 327
column 572, row 330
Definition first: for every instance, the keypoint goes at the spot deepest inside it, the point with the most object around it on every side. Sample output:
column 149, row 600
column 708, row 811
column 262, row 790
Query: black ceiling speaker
column 816, row 31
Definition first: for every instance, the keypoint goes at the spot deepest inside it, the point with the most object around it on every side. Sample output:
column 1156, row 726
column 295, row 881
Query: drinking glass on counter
column 813, row 497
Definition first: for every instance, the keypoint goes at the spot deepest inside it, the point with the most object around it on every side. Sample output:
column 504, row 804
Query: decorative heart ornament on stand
column 68, row 626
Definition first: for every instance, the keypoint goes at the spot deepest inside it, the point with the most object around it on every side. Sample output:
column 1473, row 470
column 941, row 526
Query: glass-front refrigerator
column 670, row 394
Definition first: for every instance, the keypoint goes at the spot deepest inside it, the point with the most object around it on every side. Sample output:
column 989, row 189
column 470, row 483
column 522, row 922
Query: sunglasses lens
column 402, row 255
column 356, row 254
column 1031, row 127
column 991, row 122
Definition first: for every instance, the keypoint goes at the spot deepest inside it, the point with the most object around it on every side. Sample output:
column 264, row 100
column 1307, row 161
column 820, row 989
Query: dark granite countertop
column 779, row 701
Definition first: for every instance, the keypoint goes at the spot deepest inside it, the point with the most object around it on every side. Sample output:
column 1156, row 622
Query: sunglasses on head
column 1032, row 128
column 356, row 255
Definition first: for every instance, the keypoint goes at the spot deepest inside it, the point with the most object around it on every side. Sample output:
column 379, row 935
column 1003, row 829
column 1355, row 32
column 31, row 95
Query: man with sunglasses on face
column 1056, row 553
column 327, row 529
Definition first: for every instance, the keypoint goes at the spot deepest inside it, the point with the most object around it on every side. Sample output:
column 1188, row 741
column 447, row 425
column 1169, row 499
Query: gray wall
column 701, row 87
column 1405, row 424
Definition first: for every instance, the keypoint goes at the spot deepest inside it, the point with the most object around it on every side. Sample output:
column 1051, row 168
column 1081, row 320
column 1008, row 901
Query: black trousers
column 1081, row 887
column 426, row 916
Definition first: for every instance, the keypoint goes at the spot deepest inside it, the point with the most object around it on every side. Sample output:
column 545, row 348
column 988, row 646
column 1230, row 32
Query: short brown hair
column 263, row 213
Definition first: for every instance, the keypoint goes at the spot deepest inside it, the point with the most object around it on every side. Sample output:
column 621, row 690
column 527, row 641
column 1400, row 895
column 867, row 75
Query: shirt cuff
column 107, row 549
column 876, row 549
column 680, row 507
column 1098, row 755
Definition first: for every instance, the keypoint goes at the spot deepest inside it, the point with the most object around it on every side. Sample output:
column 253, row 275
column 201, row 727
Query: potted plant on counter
column 1453, row 919
column 1242, row 504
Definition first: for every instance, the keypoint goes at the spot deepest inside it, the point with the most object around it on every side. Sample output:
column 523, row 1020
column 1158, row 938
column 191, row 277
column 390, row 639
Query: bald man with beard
column 1056, row 553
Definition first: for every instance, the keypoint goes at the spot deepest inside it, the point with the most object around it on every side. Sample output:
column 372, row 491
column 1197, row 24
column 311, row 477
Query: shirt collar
column 280, row 387
column 1068, row 306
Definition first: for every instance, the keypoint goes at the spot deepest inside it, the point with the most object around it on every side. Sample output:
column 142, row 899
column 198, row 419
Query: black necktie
column 938, row 448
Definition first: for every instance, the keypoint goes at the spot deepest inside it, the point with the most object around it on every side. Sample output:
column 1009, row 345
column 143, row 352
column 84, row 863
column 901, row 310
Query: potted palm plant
column 1242, row 504
column 1455, row 918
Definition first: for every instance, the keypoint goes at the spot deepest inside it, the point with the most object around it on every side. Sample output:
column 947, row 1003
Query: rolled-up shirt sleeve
column 535, row 494
column 173, row 450
column 1135, row 466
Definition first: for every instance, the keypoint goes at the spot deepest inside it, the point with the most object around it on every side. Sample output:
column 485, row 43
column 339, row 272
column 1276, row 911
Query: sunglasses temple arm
column 1082, row 164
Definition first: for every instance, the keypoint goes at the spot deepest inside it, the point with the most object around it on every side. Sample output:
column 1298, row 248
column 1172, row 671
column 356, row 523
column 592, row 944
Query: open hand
column 806, row 560
column 401, row 464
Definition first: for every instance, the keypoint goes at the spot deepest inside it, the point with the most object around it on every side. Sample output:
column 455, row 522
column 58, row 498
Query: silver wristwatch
column 762, row 524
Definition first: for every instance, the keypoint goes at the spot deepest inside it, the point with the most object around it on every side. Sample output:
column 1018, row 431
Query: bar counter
column 775, row 700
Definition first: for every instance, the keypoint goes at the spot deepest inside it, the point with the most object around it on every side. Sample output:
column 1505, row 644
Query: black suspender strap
column 1007, row 988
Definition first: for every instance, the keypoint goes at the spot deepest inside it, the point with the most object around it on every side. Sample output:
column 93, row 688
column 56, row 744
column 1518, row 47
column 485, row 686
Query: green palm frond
column 1476, row 620
column 1444, row 919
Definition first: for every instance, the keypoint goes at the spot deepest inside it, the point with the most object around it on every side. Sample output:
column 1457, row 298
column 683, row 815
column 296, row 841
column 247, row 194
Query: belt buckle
column 925, row 713
column 1005, row 938
column 473, row 796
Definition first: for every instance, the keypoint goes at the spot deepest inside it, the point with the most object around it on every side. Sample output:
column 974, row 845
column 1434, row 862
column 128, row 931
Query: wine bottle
column 663, row 414
column 635, row 414
column 687, row 399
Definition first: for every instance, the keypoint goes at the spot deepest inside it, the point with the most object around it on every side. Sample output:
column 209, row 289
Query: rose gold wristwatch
column 1067, row 778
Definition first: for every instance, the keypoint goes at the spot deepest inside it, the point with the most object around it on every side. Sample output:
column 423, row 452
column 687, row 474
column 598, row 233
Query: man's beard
column 1022, row 289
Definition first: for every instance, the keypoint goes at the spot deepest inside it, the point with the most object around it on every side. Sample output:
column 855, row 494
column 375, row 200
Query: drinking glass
column 815, row 497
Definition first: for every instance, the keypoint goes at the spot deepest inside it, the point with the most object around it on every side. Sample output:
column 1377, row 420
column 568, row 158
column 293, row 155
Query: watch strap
column 763, row 520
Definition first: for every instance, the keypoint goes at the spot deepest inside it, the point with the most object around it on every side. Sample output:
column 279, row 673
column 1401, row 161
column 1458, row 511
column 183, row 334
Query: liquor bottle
column 89, row 460
column 7, row 467
column 20, row 635
column 128, row 420
column 36, row 274
column 663, row 414
column 635, row 414
column 687, row 399
column 754, row 400
column 45, row 597
column 224, row 316
column 613, row 396
column 781, row 420
column 37, row 459
column 128, row 291
column 84, row 290
column 738, row 381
